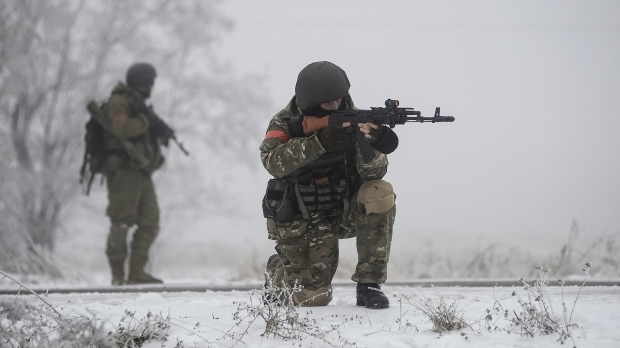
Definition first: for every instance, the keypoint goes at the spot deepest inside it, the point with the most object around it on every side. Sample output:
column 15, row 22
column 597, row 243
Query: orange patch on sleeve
column 282, row 135
column 119, row 118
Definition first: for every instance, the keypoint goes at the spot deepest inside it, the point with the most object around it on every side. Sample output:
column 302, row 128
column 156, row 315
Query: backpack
column 94, row 152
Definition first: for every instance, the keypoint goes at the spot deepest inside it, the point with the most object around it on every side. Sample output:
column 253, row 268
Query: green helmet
column 320, row 82
column 140, row 75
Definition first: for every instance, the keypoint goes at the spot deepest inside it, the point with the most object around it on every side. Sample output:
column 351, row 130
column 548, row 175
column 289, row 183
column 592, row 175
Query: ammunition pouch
column 278, row 201
column 286, row 198
column 327, row 200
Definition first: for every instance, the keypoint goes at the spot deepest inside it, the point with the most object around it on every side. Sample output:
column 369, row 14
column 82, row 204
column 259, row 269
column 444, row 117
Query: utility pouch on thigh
column 277, row 202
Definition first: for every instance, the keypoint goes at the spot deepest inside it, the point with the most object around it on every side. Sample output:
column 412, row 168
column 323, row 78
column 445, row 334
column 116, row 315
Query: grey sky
column 534, row 87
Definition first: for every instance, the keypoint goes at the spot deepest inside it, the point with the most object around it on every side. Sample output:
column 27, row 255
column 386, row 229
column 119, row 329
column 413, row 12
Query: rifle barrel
column 180, row 145
column 433, row 119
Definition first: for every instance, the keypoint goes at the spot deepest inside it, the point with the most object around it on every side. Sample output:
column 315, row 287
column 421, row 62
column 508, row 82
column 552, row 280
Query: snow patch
column 148, row 299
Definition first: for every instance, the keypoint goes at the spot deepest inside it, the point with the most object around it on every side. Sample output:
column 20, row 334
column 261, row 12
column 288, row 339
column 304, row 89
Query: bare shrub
column 26, row 325
column 402, row 323
column 132, row 332
column 23, row 324
column 506, row 261
column 573, row 253
column 274, row 306
column 26, row 258
column 445, row 315
column 494, row 260
column 536, row 315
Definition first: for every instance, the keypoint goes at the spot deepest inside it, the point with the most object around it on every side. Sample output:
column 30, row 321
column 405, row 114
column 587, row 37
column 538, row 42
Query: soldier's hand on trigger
column 372, row 132
column 382, row 138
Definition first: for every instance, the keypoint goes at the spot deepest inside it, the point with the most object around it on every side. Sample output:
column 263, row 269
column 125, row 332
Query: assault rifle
column 136, row 156
column 160, row 129
column 390, row 115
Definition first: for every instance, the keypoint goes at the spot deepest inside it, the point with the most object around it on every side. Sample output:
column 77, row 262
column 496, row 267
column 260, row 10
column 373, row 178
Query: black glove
column 376, row 134
column 383, row 139
column 334, row 138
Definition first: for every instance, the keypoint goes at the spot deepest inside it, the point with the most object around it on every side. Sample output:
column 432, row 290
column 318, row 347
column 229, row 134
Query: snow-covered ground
column 207, row 319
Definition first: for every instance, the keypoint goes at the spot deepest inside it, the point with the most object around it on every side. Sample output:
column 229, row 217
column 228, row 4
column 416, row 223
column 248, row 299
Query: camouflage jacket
column 129, row 119
column 282, row 154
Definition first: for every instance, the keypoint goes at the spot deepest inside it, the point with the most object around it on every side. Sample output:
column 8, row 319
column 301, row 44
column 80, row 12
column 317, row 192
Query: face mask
column 318, row 111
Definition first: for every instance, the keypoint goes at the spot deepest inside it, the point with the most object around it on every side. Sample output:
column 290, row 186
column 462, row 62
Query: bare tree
column 55, row 55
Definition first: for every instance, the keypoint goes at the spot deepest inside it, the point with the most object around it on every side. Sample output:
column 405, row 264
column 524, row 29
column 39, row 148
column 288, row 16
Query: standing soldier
column 323, row 191
column 131, row 193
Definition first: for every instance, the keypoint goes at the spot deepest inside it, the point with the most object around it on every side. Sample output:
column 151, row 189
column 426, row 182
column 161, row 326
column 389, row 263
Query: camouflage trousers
column 308, row 255
column 132, row 201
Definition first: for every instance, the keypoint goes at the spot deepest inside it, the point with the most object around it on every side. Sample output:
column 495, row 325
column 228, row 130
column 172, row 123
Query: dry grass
column 536, row 314
column 426, row 260
column 23, row 324
column 274, row 306
column 26, row 325
column 133, row 332
column 444, row 314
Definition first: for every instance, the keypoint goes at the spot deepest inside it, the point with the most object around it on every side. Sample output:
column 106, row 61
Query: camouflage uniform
column 308, row 248
column 131, row 193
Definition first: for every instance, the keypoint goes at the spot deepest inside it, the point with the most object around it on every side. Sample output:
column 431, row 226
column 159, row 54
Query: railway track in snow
column 171, row 288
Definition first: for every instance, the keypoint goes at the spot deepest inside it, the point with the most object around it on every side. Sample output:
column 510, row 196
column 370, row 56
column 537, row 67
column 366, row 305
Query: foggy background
column 527, row 174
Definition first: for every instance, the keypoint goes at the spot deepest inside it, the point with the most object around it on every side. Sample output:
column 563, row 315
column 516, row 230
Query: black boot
column 371, row 296
column 118, row 273
column 137, row 274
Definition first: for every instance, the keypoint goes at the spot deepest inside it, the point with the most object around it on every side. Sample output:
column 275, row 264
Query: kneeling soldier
column 323, row 191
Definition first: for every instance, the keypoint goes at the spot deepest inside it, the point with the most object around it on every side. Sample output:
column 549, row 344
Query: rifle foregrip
column 366, row 150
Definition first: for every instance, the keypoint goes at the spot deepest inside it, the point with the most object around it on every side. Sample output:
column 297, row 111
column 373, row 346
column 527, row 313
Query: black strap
column 83, row 168
column 90, row 181
column 302, row 207
column 295, row 126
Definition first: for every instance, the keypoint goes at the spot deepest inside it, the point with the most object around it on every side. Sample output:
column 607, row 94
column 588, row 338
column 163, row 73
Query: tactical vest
column 322, row 186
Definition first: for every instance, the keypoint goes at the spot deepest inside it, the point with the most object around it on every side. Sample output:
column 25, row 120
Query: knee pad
column 116, row 244
column 376, row 197
column 313, row 298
